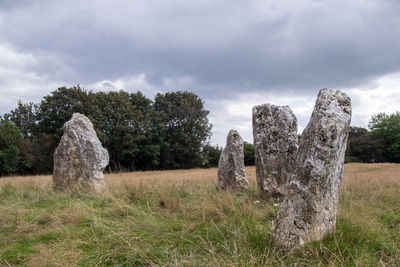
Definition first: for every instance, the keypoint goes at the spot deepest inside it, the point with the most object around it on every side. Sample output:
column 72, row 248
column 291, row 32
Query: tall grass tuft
column 179, row 218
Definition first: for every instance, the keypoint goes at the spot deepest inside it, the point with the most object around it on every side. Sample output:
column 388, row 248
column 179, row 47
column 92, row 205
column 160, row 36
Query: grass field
column 179, row 218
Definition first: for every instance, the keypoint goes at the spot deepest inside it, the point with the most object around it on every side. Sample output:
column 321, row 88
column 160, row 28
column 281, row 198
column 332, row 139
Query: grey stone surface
column 79, row 159
column 275, row 146
column 308, row 211
column 231, row 170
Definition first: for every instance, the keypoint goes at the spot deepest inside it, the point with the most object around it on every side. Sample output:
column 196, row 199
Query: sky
column 233, row 53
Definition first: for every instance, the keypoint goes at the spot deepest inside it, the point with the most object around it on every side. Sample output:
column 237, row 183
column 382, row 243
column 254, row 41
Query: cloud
column 237, row 113
column 233, row 54
column 18, row 80
column 232, row 46
column 140, row 82
column 379, row 95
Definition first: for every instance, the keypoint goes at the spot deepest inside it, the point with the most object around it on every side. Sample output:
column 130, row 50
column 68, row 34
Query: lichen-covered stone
column 79, row 159
column 275, row 145
column 231, row 170
column 308, row 210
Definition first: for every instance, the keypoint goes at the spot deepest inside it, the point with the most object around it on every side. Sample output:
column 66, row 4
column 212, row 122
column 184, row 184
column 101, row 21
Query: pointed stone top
column 80, row 121
column 233, row 137
column 333, row 101
column 271, row 106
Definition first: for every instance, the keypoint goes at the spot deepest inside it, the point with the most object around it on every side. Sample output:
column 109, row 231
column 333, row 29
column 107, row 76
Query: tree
column 125, row 124
column 248, row 151
column 24, row 117
column 387, row 128
column 138, row 133
column 367, row 148
column 356, row 131
column 212, row 154
column 10, row 138
column 184, row 129
column 53, row 111
column 57, row 108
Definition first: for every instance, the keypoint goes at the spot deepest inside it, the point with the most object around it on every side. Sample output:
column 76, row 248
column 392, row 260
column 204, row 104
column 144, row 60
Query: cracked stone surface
column 275, row 146
column 308, row 211
column 231, row 170
column 79, row 159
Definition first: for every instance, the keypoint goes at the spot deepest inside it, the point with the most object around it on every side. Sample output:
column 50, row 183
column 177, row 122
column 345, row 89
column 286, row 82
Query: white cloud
column 140, row 82
column 19, row 79
column 237, row 113
column 134, row 82
column 380, row 95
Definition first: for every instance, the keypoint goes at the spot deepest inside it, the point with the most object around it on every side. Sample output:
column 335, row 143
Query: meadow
column 179, row 218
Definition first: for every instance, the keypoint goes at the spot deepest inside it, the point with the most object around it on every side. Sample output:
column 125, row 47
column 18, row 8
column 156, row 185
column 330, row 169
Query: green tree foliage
column 138, row 133
column 357, row 131
column 24, row 117
column 387, row 128
column 212, row 154
column 380, row 144
column 366, row 148
column 51, row 114
column 125, row 124
column 10, row 155
column 184, row 129
column 248, row 151
column 57, row 108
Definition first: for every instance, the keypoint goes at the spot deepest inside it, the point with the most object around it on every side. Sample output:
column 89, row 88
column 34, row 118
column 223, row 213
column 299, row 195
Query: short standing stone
column 79, row 159
column 308, row 210
column 231, row 170
column 275, row 146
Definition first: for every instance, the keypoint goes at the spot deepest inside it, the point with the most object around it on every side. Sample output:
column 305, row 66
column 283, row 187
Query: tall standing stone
column 275, row 146
column 231, row 170
column 308, row 210
column 79, row 159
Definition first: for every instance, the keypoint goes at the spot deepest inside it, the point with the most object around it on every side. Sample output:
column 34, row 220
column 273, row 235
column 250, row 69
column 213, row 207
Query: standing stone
column 308, row 210
column 79, row 159
column 275, row 146
column 231, row 170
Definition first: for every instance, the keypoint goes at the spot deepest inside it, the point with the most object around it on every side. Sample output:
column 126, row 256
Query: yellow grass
column 135, row 178
column 370, row 177
column 177, row 218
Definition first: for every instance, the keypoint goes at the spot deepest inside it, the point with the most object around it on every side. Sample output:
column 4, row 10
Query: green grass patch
column 184, row 224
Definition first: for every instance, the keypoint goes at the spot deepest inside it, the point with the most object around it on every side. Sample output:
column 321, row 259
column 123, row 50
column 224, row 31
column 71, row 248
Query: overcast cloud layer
column 234, row 54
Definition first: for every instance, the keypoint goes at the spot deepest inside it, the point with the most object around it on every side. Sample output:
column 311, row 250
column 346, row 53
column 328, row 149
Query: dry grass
column 135, row 178
column 179, row 218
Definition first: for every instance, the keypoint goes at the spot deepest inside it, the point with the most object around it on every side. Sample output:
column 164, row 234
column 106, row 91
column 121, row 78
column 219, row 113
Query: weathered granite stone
column 308, row 210
column 231, row 170
column 79, row 159
column 275, row 146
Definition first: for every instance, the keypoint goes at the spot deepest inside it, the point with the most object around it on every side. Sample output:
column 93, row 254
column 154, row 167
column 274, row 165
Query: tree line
column 170, row 132
column 379, row 143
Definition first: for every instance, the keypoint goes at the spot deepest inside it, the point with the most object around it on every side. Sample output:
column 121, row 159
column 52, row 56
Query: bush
column 350, row 159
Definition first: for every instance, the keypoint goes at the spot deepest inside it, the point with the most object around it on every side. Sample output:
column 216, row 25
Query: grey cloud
column 250, row 45
column 225, row 48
